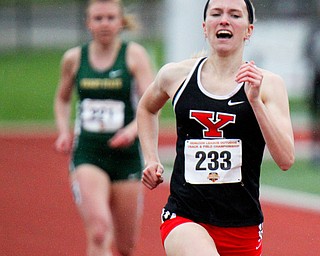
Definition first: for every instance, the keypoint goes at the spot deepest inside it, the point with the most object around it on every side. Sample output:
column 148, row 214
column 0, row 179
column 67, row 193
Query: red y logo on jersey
column 213, row 127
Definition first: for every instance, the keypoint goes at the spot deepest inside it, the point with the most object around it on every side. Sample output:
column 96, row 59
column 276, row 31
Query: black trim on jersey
column 183, row 84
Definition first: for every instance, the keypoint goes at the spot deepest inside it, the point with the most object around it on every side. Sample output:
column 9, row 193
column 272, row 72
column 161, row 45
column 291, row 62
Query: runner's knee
column 99, row 230
column 127, row 247
column 126, row 250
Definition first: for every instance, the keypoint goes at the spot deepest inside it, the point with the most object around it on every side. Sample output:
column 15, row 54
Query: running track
column 38, row 218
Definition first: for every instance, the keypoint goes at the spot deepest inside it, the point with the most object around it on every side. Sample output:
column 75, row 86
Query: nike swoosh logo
column 115, row 73
column 231, row 103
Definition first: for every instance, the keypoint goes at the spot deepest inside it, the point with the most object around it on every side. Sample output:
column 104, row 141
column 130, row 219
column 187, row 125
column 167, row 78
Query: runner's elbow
column 286, row 165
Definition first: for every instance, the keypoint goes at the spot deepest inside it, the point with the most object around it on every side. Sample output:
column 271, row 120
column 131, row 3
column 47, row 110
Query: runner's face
column 104, row 21
column 227, row 25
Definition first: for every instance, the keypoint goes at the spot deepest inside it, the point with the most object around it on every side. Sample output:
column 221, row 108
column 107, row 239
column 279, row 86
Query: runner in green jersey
column 109, row 76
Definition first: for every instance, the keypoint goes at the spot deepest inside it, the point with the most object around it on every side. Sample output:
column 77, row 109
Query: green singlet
column 107, row 103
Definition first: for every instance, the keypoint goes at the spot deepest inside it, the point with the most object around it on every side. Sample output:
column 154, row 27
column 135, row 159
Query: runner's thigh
column 127, row 207
column 189, row 239
column 94, row 191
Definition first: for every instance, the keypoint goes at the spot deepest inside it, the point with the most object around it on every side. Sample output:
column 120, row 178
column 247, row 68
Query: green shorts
column 119, row 164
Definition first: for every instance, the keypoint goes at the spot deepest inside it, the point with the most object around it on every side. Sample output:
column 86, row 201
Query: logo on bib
column 213, row 176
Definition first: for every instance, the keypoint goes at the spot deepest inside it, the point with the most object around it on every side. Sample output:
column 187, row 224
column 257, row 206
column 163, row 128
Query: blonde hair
column 129, row 20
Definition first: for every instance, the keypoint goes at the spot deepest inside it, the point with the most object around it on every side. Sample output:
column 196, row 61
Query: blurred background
column 171, row 30
column 35, row 33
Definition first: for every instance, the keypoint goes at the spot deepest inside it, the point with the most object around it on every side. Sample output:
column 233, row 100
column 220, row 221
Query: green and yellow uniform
column 107, row 103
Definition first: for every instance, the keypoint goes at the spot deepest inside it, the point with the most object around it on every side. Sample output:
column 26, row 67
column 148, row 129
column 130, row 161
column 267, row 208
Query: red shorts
column 231, row 241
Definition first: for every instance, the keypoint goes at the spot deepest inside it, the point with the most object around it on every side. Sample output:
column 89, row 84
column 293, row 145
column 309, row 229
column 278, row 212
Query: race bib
column 102, row 115
column 215, row 161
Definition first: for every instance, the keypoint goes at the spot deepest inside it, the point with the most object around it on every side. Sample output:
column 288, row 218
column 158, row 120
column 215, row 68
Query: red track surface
column 38, row 217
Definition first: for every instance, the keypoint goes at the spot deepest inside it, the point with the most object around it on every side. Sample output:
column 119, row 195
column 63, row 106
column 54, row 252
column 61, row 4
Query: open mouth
column 224, row 34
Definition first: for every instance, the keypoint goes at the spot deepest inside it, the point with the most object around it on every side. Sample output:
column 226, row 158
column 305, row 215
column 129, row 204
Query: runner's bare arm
column 62, row 104
column 140, row 66
column 168, row 80
column 268, row 97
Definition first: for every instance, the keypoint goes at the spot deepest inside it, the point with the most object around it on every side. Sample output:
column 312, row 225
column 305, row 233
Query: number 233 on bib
column 216, row 161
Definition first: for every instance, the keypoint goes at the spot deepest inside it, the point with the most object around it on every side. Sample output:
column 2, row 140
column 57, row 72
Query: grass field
column 28, row 81
column 303, row 176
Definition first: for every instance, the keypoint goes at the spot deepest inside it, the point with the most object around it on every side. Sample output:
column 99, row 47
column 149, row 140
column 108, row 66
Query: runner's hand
column 250, row 74
column 152, row 175
column 122, row 139
column 63, row 144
